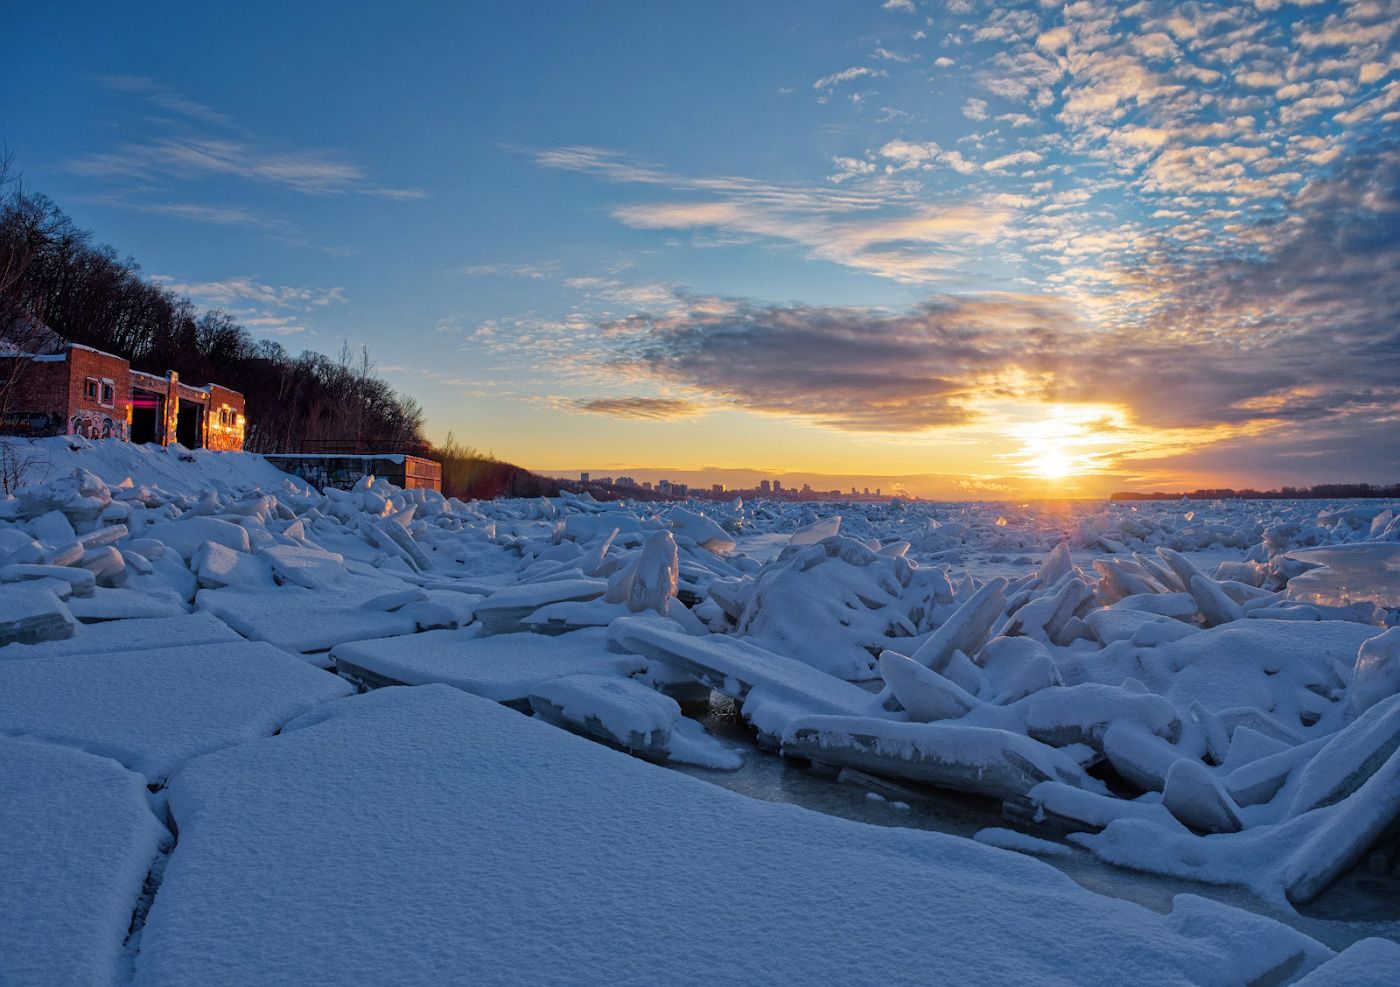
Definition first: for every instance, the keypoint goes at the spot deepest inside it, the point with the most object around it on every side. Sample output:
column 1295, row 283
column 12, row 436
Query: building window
column 90, row 389
column 109, row 391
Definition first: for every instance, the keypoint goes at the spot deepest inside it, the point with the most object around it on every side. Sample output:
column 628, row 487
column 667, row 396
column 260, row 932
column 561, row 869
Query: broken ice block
column 30, row 614
column 613, row 709
column 924, row 694
column 976, row 760
column 1194, row 796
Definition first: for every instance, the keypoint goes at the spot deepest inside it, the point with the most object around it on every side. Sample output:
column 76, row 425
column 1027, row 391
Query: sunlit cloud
column 1179, row 352
column 640, row 407
column 886, row 233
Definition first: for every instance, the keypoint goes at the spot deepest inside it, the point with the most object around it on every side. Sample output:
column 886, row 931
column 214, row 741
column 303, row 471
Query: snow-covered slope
column 173, row 468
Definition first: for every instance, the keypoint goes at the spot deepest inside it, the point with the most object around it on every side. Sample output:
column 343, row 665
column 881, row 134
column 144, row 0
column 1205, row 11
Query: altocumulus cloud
column 1300, row 334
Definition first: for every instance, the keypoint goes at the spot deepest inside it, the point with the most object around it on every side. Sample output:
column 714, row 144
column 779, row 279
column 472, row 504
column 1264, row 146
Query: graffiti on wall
column 322, row 475
column 32, row 423
column 96, row 425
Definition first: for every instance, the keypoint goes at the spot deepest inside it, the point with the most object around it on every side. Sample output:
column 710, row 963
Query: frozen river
column 1360, row 905
column 252, row 732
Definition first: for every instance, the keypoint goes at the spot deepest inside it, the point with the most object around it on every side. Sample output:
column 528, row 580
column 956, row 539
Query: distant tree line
column 1323, row 491
column 473, row 475
column 55, row 282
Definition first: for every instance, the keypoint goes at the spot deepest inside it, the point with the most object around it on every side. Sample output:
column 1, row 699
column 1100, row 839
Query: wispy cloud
column 848, row 75
column 884, row 232
column 233, row 290
column 217, row 215
column 311, row 172
column 640, row 407
column 280, row 310
column 535, row 272
column 202, row 143
column 166, row 99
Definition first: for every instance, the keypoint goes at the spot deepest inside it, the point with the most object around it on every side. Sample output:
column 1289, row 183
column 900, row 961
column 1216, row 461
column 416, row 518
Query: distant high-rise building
column 877, row 491
column 777, row 486
column 806, row 488
column 867, row 491
column 680, row 489
column 583, row 478
column 765, row 487
column 664, row 487
column 717, row 489
column 646, row 484
column 853, row 491
column 625, row 481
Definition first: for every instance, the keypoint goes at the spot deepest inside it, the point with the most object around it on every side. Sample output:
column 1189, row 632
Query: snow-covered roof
column 393, row 457
column 92, row 349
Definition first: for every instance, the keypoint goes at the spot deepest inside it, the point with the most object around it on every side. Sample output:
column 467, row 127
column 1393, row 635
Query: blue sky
column 968, row 247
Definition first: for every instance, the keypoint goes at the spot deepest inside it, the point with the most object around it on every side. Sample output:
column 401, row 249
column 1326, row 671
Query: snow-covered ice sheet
column 77, row 840
column 301, row 620
column 502, row 667
column 187, row 630
column 152, row 710
column 1368, row 963
column 477, row 844
column 127, row 604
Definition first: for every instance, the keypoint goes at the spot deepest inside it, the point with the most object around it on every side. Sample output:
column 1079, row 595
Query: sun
column 1064, row 449
column 1052, row 464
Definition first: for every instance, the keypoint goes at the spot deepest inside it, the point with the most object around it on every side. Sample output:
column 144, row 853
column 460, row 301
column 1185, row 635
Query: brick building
column 83, row 391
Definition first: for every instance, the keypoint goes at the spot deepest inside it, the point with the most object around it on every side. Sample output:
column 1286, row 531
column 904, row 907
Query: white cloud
column 1013, row 160
column 848, row 75
column 975, row 109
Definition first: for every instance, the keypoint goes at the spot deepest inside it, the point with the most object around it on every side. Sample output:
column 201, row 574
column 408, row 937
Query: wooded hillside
column 54, row 276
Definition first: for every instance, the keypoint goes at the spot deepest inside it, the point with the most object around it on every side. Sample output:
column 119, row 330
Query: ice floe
column 79, row 841
column 458, row 869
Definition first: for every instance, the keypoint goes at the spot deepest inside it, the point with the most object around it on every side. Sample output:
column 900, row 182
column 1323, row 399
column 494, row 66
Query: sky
column 960, row 249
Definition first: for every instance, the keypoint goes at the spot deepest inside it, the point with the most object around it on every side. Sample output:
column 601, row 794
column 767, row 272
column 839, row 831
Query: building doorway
column 189, row 422
column 147, row 414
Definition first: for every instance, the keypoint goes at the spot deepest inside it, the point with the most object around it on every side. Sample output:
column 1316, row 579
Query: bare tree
column 25, row 227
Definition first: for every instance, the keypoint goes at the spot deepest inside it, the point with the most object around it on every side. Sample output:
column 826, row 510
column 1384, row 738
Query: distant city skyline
column 704, row 479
